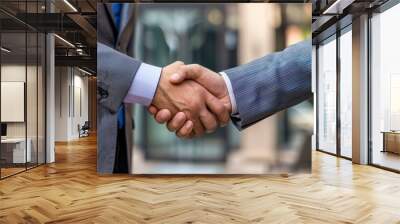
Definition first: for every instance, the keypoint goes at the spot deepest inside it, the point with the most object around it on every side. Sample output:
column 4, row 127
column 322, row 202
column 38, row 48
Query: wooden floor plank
column 70, row 191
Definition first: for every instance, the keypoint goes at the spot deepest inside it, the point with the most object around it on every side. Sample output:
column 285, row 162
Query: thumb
column 186, row 72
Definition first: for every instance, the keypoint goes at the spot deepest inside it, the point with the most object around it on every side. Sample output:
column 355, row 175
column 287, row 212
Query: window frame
column 333, row 37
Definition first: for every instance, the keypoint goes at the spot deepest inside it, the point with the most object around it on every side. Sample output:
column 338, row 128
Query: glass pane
column 385, row 84
column 41, row 98
column 345, row 94
column 31, row 98
column 14, row 153
column 32, row 87
column 327, row 97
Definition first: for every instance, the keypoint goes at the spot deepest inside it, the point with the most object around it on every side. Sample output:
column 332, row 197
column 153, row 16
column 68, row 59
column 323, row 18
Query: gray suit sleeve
column 115, row 73
column 271, row 83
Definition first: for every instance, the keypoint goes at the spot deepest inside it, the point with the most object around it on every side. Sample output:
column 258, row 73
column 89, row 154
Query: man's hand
column 188, row 102
column 210, row 80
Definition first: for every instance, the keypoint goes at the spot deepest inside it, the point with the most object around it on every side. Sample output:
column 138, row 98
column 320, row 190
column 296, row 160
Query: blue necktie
column 116, row 9
column 121, row 117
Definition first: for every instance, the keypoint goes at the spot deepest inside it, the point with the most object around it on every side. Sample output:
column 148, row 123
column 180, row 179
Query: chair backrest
column 86, row 125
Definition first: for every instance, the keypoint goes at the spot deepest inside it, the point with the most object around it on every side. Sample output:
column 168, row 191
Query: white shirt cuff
column 144, row 85
column 230, row 92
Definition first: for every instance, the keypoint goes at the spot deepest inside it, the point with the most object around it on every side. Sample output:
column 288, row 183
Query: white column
column 360, row 90
column 50, row 99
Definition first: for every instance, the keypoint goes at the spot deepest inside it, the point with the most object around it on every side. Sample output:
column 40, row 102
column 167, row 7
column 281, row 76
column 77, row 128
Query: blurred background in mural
column 220, row 36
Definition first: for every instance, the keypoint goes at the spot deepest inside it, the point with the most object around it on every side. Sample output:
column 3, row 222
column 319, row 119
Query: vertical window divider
column 60, row 76
column 338, row 77
column 369, row 78
column 69, row 92
column 46, row 3
column 316, row 103
column 45, row 94
column 73, row 90
column 26, row 86
column 37, row 90
column 0, row 95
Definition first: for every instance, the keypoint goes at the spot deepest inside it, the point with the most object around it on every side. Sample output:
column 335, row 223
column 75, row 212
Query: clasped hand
column 191, row 99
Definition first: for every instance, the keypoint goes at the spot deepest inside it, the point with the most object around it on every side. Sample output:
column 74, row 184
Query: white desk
column 18, row 151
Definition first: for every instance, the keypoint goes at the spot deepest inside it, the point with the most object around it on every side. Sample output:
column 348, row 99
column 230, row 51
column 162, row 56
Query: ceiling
column 332, row 15
column 74, row 22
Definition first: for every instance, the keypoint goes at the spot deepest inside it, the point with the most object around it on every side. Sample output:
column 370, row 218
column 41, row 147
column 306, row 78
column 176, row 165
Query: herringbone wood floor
column 70, row 191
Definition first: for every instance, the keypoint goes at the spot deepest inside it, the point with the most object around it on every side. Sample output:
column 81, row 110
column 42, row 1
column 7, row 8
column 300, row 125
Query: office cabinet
column 391, row 142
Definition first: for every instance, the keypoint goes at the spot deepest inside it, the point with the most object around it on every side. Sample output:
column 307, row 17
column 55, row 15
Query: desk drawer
column 15, row 153
column 392, row 142
column 6, row 154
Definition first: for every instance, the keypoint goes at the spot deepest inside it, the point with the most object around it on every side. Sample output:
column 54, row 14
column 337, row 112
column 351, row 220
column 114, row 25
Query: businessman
column 123, row 80
column 253, row 91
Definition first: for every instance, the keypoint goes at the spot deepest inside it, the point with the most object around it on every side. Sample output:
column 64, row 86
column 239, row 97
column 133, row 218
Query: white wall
column 61, row 103
column 16, row 73
column 80, row 109
column 33, row 126
column 11, row 73
column 71, row 102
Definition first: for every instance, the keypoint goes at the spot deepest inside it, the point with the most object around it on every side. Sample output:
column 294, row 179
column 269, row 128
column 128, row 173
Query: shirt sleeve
column 231, row 95
column 144, row 85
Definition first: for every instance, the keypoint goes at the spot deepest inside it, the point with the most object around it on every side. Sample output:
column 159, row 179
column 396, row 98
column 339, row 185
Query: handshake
column 191, row 99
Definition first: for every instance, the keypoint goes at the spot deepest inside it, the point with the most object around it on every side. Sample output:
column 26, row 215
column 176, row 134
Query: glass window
column 31, row 99
column 385, row 89
column 346, row 94
column 22, row 91
column 15, row 149
column 41, row 99
column 327, row 96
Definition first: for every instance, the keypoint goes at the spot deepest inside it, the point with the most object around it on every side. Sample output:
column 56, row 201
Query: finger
column 192, row 71
column 163, row 116
column 152, row 110
column 186, row 130
column 208, row 120
column 190, row 135
column 218, row 109
column 177, row 122
column 198, row 128
column 178, row 63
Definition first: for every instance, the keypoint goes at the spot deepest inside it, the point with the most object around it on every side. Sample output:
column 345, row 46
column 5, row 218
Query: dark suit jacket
column 271, row 83
column 115, row 71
